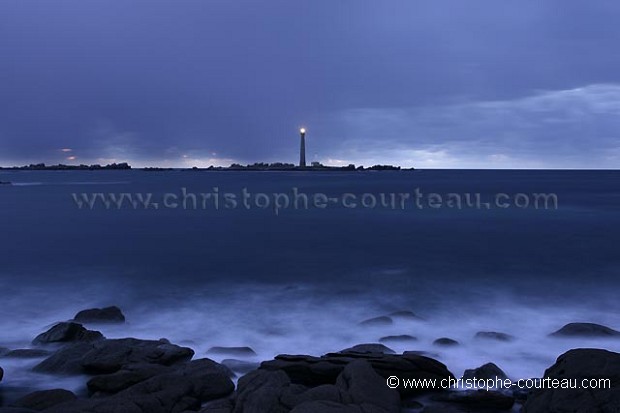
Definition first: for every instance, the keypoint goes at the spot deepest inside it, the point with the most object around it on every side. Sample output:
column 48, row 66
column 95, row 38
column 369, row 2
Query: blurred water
column 301, row 281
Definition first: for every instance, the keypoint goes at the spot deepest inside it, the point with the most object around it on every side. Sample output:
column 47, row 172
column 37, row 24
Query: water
column 299, row 282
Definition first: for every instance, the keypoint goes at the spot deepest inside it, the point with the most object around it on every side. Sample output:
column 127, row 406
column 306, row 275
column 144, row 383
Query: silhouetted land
column 259, row 166
column 62, row 167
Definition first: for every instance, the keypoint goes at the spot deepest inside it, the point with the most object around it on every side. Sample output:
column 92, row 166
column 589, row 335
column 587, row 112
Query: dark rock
column 202, row 379
column 109, row 356
column 232, row 351
column 314, row 371
column 107, row 384
column 27, row 353
column 405, row 315
column 398, row 339
column 480, row 399
column 41, row 400
column 183, row 388
column 377, row 321
column 470, row 401
column 450, row 408
column 261, row 391
column 357, row 387
column 519, row 394
column 10, row 392
column 493, row 335
column 323, row 406
column 411, row 404
column 371, row 348
column 325, row 392
column 1, row 374
column 364, row 387
column 572, row 368
column 67, row 332
column 422, row 353
column 15, row 410
column 67, row 360
column 488, row 371
column 240, row 366
column 445, row 342
column 585, row 330
column 100, row 315
column 218, row 406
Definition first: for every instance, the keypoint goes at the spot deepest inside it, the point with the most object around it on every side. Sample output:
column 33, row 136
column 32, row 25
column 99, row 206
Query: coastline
column 259, row 167
column 158, row 376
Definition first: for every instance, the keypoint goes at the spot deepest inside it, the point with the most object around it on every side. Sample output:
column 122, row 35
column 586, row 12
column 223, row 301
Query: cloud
column 563, row 128
column 384, row 81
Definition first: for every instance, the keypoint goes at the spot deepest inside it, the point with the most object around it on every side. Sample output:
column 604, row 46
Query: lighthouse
column 302, row 149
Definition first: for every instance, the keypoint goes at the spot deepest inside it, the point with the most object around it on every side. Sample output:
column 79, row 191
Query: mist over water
column 300, row 282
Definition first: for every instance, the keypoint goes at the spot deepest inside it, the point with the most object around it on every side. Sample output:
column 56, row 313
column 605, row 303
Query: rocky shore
column 131, row 375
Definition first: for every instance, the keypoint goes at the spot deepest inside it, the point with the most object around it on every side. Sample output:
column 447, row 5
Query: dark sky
column 437, row 83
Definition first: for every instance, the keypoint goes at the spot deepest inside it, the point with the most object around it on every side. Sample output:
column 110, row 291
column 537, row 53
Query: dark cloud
column 435, row 83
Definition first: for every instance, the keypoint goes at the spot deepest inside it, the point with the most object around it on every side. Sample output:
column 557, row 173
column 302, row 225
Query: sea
column 292, row 262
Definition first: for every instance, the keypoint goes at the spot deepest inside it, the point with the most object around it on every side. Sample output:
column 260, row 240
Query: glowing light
column 71, row 158
column 66, row 150
column 302, row 130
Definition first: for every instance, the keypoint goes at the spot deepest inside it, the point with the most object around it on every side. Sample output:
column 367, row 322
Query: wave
column 304, row 319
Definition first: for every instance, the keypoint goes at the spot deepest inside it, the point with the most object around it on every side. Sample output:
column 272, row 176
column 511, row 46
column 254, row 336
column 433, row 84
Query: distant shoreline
column 259, row 167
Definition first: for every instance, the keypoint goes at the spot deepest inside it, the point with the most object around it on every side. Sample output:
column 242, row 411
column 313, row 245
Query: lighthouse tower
column 302, row 149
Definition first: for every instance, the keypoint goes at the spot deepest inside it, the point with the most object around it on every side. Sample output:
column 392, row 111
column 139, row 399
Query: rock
column 364, row 387
column 100, row 315
column 421, row 353
column 113, row 383
column 15, row 410
column 371, row 348
column 443, row 408
column 445, row 342
column 377, row 321
column 328, row 407
column 180, row 389
column 232, row 351
column 314, row 371
column 1, row 373
column 109, row 356
column 67, row 360
column 240, row 366
column 261, row 391
column 41, row 400
column 27, row 353
column 324, row 393
column 479, row 400
column 487, row 371
column 411, row 404
column 493, row 335
column 405, row 315
column 571, row 368
column 404, row 338
column 66, row 333
column 585, row 330
column 357, row 386
column 521, row 395
column 132, row 374
column 218, row 406
column 204, row 379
